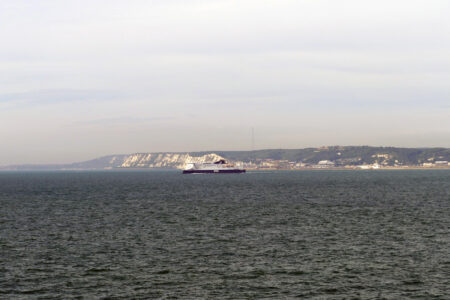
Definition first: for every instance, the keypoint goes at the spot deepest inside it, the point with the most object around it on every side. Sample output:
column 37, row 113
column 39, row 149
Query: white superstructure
column 220, row 166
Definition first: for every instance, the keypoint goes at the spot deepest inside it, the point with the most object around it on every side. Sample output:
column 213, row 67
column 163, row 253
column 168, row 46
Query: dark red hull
column 213, row 171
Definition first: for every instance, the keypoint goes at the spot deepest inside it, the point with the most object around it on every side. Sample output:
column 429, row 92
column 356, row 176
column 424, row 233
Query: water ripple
column 319, row 235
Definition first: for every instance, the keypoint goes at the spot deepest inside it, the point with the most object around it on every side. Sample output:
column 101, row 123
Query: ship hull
column 229, row 171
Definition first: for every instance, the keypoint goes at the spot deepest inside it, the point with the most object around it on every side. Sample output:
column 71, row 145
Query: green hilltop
column 342, row 155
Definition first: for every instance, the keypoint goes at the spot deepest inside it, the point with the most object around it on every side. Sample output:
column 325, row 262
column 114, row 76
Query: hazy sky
column 81, row 79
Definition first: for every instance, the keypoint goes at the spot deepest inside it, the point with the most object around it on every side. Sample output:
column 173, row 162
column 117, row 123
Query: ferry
column 218, row 167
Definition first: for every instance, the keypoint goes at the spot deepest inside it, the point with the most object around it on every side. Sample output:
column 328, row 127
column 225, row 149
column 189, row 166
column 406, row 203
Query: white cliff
column 165, row 160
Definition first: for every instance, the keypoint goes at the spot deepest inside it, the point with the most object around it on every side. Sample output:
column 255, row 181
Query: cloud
column 172, row 71
column 125, row 120
column 59, row 96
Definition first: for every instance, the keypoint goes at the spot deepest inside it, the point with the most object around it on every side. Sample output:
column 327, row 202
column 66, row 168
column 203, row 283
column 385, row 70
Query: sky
column 82, row 79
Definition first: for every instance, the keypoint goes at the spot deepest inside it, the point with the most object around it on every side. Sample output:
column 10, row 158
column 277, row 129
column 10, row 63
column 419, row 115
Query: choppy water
column 145, row 235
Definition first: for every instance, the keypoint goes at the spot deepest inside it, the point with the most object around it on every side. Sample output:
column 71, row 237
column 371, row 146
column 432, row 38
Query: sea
column 324, row 234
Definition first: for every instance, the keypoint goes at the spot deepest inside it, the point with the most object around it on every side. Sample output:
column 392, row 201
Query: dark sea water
column 280, row 235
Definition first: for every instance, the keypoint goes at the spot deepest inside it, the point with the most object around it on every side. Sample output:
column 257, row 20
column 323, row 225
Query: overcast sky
column 82, row 79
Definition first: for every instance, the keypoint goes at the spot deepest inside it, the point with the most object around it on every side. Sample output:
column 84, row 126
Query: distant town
column 272, row 164
column 350, row 157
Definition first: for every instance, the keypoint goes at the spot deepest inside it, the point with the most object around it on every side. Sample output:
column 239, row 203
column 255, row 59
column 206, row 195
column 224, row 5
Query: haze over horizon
column 80, row 79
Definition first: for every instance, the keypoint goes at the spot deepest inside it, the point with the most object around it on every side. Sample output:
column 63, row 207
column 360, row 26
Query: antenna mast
column 253, row 139
column 252, row 156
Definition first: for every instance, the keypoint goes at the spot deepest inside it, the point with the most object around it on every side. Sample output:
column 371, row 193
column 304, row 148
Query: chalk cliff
column 163, row 160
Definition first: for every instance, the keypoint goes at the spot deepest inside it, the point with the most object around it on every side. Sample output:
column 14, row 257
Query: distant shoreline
column 248, row 169
column 326, row 158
